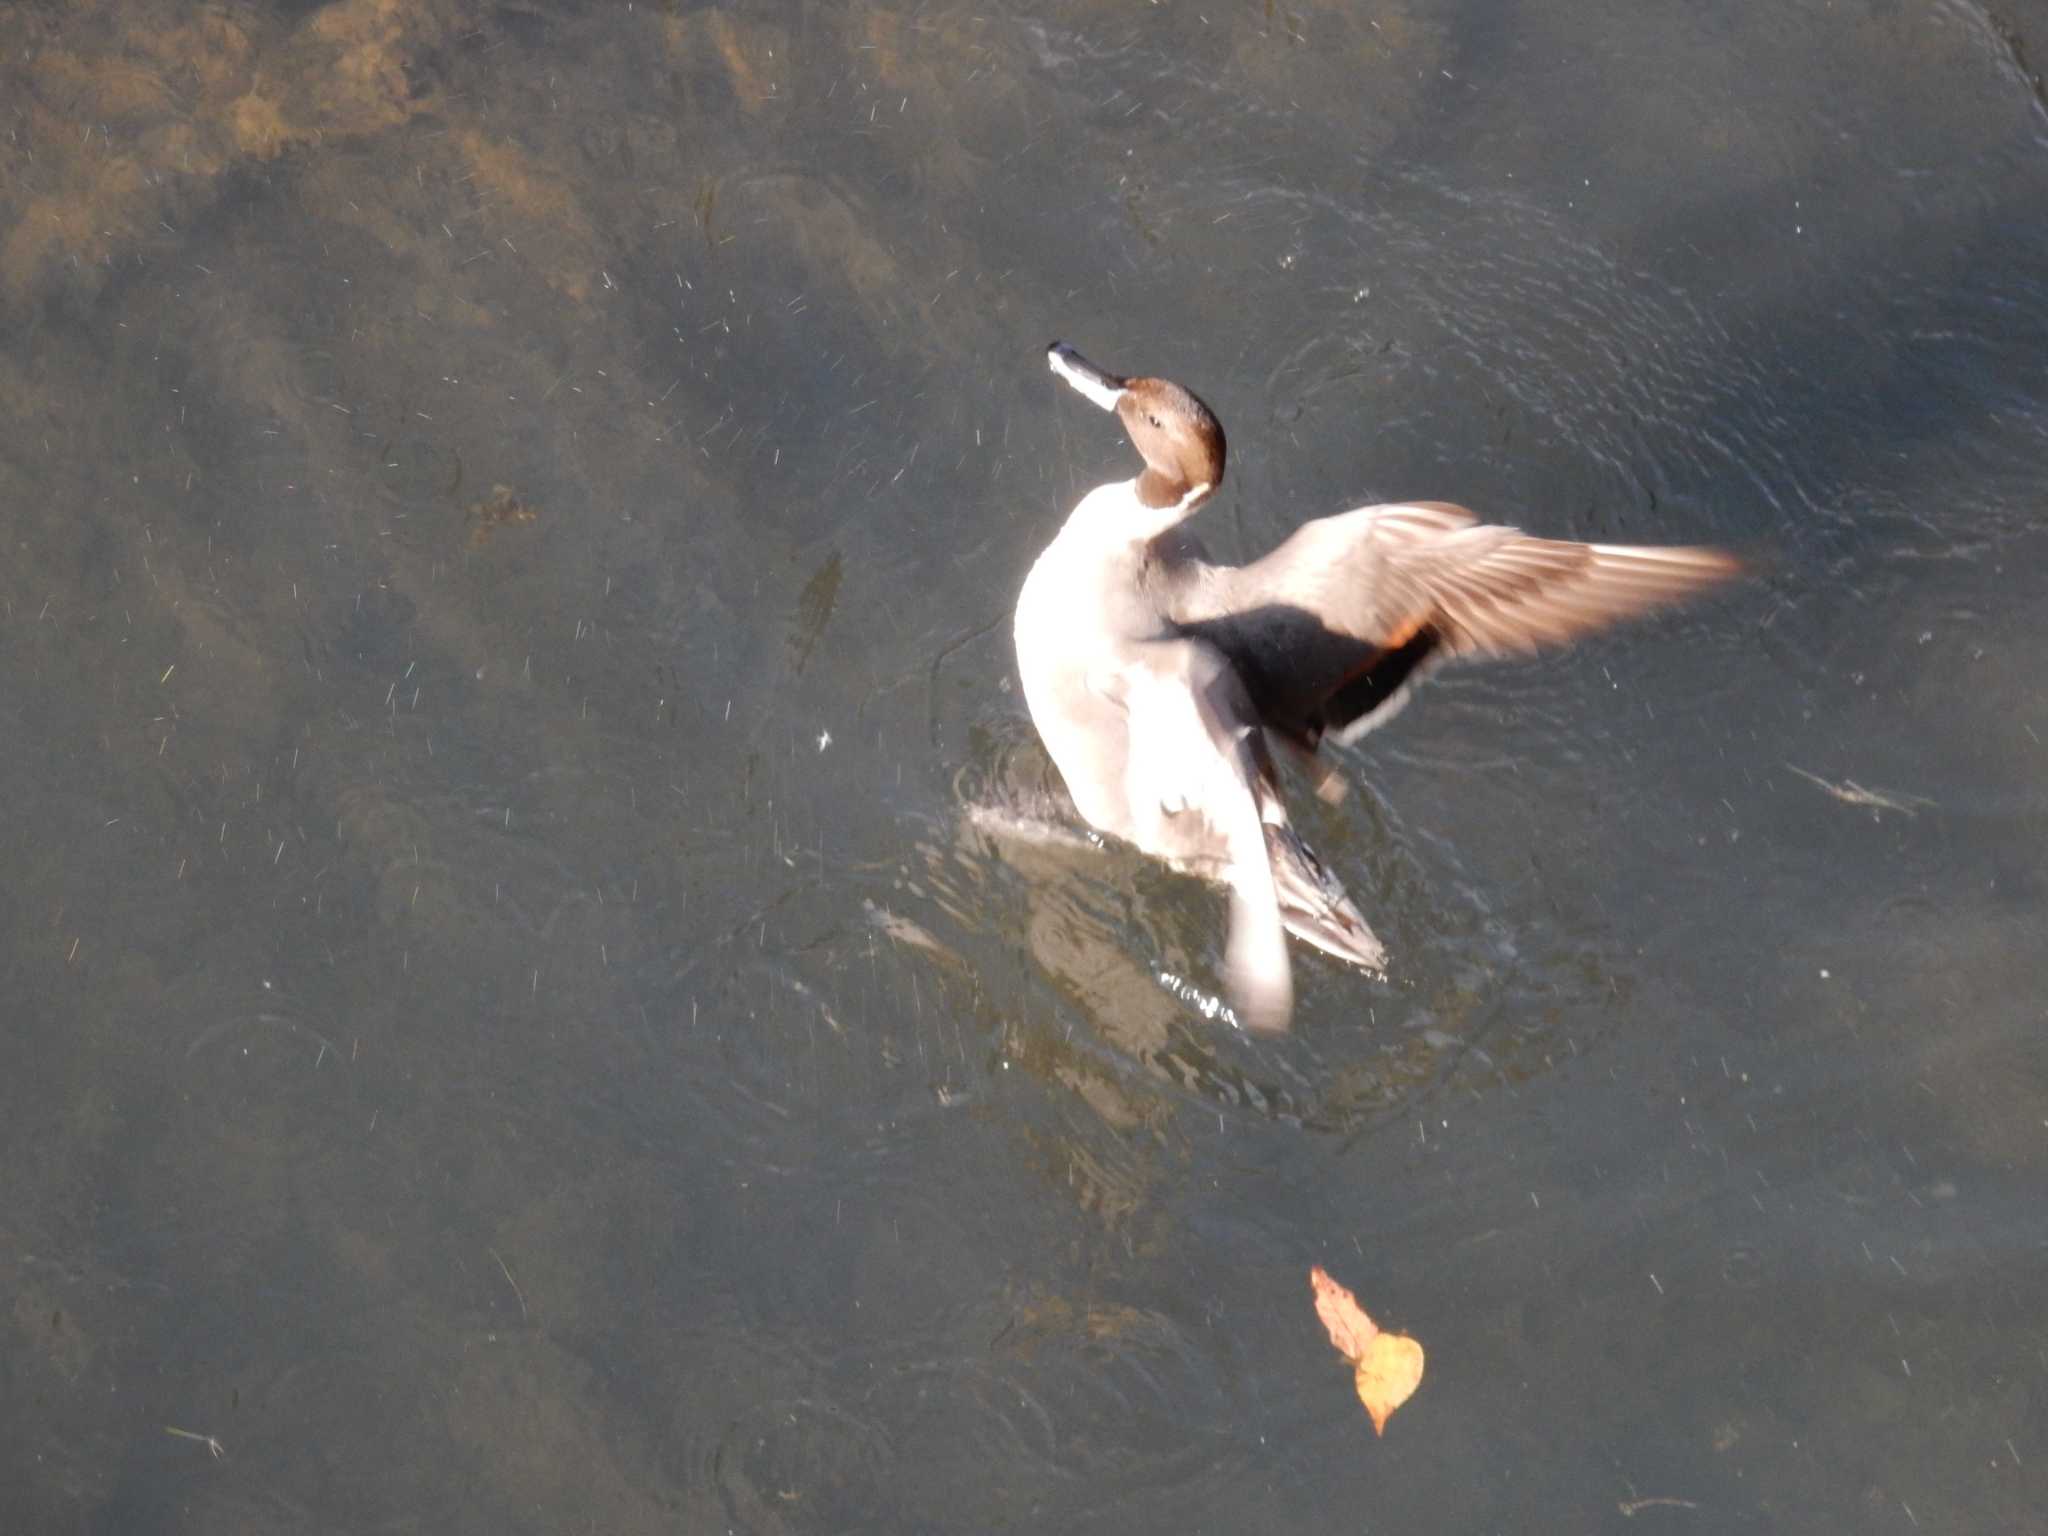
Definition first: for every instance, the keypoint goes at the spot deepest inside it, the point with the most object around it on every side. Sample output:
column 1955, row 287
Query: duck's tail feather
column 1314, row 905
column 1255, row 963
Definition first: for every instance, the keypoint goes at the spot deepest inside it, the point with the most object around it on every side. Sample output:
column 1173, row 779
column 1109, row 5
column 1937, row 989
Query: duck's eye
column 1155, row 422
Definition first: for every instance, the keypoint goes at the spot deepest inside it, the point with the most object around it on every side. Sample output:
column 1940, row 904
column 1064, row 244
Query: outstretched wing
column 1331, row 627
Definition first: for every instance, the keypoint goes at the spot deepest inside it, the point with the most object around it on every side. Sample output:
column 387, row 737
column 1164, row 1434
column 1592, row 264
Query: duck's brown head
column 1179, row 437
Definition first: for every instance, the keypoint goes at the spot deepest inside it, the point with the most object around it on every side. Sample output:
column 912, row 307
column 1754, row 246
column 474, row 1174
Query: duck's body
column 1154, row 675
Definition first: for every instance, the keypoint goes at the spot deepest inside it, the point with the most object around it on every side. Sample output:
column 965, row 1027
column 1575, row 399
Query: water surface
column 530, row 1005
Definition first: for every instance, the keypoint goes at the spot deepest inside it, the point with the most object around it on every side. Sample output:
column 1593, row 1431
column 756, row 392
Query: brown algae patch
column 518, row 186
column 746, row 50
column 260, row 128
column 502, row 507
column 117, row 141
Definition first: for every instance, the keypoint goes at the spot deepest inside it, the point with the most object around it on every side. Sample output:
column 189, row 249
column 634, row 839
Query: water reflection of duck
column 1154, row 676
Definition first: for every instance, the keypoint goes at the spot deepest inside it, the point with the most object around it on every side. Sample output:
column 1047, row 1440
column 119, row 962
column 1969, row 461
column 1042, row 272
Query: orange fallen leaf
column 1351, row 1331
column 1386, row 1367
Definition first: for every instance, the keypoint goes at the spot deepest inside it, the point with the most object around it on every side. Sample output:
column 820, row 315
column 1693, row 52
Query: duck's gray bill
column 1105, row 389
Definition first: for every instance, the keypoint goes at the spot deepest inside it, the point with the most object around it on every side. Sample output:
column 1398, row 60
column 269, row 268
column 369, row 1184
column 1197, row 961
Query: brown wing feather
column 1492, row 591
column 1330, row 626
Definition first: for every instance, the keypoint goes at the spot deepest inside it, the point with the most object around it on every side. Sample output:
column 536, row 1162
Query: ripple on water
column 1123, row 960
column 1560, row 358
column 1007, row 1409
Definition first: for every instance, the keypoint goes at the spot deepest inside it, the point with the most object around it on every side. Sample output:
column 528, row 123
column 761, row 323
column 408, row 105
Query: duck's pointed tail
column 1315, row 906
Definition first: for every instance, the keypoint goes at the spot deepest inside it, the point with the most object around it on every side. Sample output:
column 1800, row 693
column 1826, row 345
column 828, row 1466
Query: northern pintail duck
column 1156, row 677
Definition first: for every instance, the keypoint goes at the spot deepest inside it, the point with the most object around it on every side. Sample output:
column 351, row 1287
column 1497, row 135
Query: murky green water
column 528, row 1006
